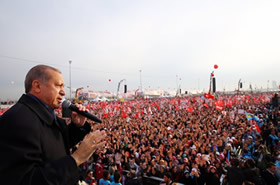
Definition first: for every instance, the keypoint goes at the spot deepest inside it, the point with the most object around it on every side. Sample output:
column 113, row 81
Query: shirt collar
column 42, row 103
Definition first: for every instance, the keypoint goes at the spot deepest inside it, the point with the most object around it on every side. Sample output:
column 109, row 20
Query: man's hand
column 78, row 119
column 93, row 141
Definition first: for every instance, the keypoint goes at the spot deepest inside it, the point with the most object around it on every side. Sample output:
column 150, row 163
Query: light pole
column 70, row 77
column 176, row 84
column 140, row 79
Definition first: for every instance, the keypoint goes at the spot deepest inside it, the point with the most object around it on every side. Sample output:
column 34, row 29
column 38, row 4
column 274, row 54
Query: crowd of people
column 191, row 140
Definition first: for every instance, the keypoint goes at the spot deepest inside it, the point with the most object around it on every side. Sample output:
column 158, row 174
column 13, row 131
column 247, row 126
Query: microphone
column 66, row 104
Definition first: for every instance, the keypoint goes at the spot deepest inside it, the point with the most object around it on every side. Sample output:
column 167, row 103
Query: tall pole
column 70, row 78
column 177, row 85
column 141, row 80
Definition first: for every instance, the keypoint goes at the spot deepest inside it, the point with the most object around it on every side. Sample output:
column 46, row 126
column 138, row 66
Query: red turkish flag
column 190, row 109
column 99, row 170
column 205, row 105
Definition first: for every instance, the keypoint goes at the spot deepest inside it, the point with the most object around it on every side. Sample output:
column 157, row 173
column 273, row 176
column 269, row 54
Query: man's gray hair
column 39, row 72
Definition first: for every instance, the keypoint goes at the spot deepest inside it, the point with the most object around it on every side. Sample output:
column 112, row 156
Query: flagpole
column 70, row 78
column 141, row 80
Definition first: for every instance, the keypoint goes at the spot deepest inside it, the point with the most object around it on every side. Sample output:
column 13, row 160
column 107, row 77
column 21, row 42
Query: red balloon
column 109, row 80
column 216, row 66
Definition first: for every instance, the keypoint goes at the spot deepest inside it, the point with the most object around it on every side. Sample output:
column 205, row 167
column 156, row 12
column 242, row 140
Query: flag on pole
column 228, row 158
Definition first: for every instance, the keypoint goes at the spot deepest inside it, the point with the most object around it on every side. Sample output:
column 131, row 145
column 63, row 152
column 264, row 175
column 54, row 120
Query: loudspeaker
column 240, row 85
column 214, row 84
column 125, row 88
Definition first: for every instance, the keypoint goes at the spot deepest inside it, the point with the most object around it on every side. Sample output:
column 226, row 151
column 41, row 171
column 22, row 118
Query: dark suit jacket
column 269, row 178
column 35, row 146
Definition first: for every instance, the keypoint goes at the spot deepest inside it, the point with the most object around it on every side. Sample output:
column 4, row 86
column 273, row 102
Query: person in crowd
column 105, row 180
column 117, row 179
column 131, row 178
column 212, row 176
column 90, row 179
column 36, row 143
column 167, row 178
column 184, row 136
column 277, row 164
column 252, row 173
column 111, row 172
column 269, row 174
column 235, row 174
column 273, row 140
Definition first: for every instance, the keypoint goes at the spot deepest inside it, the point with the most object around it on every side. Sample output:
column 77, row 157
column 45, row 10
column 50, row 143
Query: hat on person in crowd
column 186, row 171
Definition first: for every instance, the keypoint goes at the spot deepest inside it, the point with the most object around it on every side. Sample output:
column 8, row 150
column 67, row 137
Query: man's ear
column 36, row 86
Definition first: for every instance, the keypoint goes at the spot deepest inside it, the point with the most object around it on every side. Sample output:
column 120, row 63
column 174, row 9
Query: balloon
column 109, row 80
column 215, row 66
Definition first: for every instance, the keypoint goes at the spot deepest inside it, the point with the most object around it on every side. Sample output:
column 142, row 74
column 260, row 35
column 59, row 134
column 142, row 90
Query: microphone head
column 66, row 104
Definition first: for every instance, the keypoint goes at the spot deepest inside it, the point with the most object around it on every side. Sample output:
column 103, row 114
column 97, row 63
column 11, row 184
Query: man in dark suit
column 35, row 143
column 269, row 174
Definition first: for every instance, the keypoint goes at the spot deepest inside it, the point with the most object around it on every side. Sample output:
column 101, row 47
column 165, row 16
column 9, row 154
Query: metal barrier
column 151, row 180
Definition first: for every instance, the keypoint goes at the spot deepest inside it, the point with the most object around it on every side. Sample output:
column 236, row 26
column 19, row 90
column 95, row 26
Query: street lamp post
column 70, row 78
column 140, row 80
column 176, row 84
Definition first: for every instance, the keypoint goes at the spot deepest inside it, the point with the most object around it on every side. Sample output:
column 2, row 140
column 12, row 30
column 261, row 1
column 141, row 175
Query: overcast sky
column 173, row 42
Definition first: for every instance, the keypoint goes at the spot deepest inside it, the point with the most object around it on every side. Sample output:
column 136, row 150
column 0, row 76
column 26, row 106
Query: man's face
column 273, row 169
column 52, row 91
column 166, row 179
